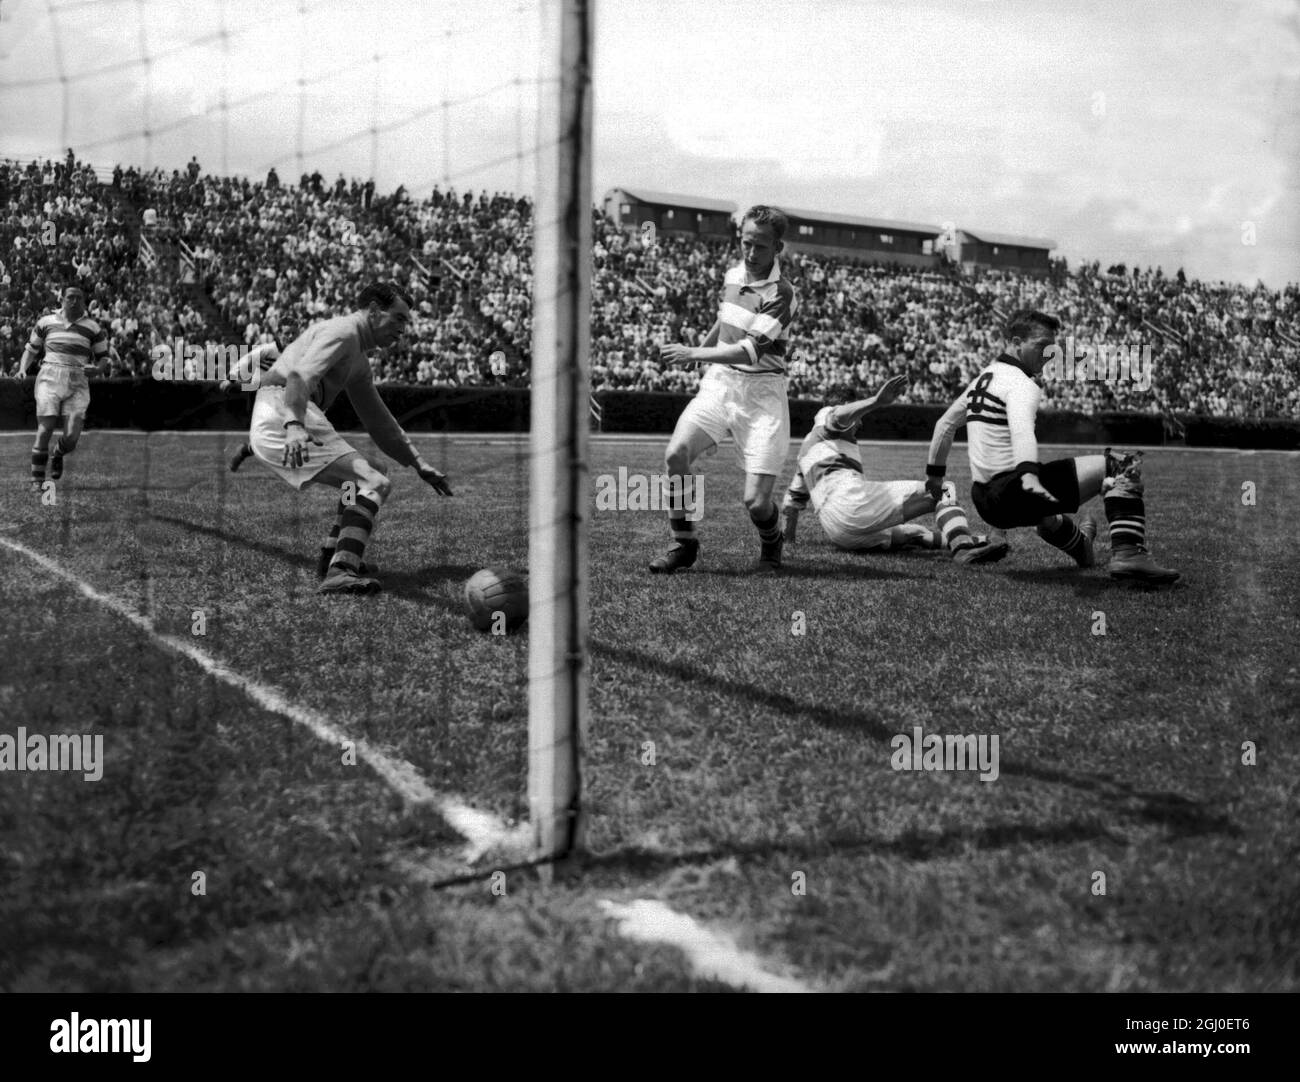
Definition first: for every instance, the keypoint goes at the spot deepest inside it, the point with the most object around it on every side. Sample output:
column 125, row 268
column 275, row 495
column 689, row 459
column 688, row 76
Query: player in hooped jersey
column 1011, row 488
column 742, row 394
column 863, row 515
column 70, row 343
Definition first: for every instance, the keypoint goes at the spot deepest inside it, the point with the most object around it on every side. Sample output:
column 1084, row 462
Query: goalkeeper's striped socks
column 354, row 527
column 330, row 543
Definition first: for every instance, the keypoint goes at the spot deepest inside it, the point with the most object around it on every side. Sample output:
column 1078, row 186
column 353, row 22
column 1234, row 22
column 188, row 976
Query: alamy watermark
column 112, row 1035
column 966, row 751
column 1105, row 362
column 626, row 491
column 178, row 361
column 76, row 752
column 651, row 492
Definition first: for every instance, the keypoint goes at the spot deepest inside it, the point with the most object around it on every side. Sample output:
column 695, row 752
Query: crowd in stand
column 184, row 254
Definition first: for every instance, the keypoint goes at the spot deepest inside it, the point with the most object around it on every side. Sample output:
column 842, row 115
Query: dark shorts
column 1004, row 505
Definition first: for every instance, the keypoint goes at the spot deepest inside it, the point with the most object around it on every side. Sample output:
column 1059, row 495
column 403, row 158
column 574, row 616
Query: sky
column 1140, row 132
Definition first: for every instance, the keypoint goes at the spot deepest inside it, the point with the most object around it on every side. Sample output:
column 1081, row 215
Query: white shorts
column 853, row 511
column 266, row 437
column 61, row 392
column 751, row 408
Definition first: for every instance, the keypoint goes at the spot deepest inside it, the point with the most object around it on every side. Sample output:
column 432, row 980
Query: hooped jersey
column 67, row 344
column 825, row 450
column 757, row 315
column 998, row 408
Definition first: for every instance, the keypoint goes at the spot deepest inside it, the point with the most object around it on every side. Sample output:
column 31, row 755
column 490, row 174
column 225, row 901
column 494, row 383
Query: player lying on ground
column 255, row 364
column 291, row 435
column 864, row 515
column 742, row 394
column 1012, row 488
column 69, row 341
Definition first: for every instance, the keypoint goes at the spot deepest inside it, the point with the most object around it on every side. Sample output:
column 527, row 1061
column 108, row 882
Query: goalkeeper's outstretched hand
column 434, row 478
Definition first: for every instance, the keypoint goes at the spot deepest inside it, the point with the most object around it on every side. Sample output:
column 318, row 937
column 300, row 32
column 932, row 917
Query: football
column 493, row 590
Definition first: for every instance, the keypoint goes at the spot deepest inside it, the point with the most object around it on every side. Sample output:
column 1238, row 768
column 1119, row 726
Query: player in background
column 1011, row 488
column 71, row 344
column 863, row 515
column 291, row 435
column 742, row 394
column 255, row 364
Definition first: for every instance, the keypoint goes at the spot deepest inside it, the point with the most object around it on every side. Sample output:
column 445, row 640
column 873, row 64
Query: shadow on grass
column 1177, row 814
column 806, row 571
column 1086, row 583
column 429, row 584
column 296, row 560
column 911, row 845
column 425, row 583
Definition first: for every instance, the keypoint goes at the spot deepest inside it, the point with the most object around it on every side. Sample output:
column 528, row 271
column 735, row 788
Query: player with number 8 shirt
column 1011, row 488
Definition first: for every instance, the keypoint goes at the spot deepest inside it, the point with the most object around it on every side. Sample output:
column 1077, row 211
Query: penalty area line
column 481, row 830
column 711, row 954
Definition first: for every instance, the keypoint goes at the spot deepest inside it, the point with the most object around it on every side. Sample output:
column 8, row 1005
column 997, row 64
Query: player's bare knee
column 377, row 483
column 755, row 501
column 677, row 462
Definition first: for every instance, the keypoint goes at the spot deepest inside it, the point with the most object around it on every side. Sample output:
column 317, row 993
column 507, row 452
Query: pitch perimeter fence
column 152, row 405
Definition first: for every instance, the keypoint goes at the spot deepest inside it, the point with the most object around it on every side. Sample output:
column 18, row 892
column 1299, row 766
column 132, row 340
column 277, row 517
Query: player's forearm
column 733, row 354
column 296, row 397
column 941, row 443
column 396, row 444
column 851, row 413
column 25, row 363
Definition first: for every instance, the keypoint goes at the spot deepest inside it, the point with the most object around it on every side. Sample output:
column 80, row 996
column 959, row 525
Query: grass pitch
column 1120, row 753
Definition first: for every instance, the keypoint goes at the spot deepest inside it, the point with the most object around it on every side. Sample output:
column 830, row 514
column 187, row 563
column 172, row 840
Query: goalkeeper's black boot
column 681, row 556
column 326, row 555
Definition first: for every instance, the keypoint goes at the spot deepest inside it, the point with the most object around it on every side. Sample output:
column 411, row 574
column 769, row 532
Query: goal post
column 558, row 490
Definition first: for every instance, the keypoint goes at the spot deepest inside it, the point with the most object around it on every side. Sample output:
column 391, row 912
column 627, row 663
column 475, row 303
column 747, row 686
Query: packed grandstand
column 169, row 254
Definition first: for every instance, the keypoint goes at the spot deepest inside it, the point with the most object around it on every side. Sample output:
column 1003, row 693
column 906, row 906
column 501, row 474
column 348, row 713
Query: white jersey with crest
column 998, row 409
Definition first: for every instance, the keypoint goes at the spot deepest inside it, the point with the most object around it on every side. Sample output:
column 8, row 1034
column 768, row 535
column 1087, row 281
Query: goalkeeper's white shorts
column 267, row 438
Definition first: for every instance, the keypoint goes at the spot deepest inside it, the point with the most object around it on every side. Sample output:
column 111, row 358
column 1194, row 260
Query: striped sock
column 1127, row 517
column 332, row 538
column 40, row 459
column 60, row 448
column 954, row 527
column 678, row 491
column 1062, row 532
column 1121, row 495
column 769, row 524
column 354, row 529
